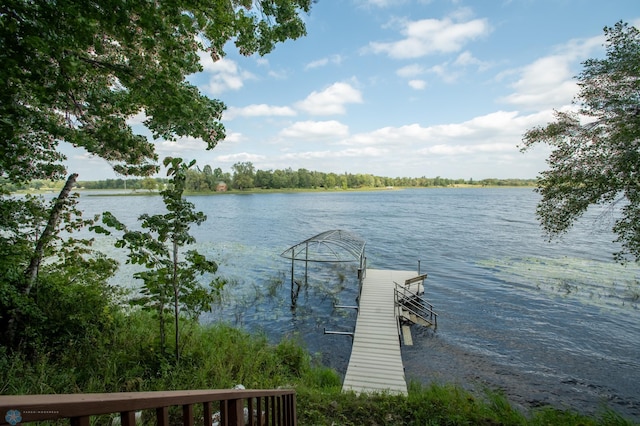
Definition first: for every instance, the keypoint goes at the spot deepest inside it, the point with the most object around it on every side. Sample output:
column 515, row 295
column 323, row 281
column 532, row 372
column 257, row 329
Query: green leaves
column 171, row 279
column 53, row 289
column 595, row 156
column 80, row 77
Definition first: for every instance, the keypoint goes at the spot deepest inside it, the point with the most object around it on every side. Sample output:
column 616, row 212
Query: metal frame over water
column 333, row 246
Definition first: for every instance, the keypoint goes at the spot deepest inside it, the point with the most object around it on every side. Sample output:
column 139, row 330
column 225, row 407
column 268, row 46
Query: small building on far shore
column 221, row 187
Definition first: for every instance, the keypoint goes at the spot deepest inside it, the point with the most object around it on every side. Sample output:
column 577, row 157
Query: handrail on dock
column 275, row 407
column 415, row 304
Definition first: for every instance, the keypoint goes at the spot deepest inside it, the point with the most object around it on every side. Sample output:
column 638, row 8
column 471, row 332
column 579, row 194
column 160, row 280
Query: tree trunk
column 176, row 293
column 162, row 332
column 31, row 273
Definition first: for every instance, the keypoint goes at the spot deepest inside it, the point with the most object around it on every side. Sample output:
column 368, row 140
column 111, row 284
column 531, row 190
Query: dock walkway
column 376, row 364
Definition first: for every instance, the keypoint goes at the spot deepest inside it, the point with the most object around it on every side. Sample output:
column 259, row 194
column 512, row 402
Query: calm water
column 547, row 323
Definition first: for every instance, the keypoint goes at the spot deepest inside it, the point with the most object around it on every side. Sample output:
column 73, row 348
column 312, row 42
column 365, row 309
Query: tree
column 304, row 178
column 243, row 175
column 149, row 184
column 221, row 176
column 78, row 78
column 210, row 180
column 595, row 156
column 196, row 181
column 263, row 179
column 170, row 281
column 54, row 292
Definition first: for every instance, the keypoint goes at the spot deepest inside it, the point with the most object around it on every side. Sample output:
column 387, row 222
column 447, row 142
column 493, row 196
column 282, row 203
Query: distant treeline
column 245, row 177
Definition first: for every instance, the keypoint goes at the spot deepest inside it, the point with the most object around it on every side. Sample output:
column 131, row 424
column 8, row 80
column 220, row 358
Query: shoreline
column 121, row 192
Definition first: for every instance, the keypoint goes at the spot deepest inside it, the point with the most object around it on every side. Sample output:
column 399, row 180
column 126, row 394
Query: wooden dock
column 376, row 364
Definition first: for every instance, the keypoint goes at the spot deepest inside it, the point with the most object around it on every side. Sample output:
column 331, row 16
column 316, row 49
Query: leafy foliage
column 218, row 356
column 170, row 284
column 80, row 77
column 65, row 298
column 596, row 151
column 243, row 175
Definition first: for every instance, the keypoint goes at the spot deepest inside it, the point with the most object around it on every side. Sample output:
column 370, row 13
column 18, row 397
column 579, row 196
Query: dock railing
column 411, row 301
column 275, row 407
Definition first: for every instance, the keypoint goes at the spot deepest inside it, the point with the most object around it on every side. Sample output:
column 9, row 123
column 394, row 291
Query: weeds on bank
column 219, row 357
column 429, row 406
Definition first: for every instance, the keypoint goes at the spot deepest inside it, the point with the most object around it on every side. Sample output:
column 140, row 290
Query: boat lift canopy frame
column 330, row 246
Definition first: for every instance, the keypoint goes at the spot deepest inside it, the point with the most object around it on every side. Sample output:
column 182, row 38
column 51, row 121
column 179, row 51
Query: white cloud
column 445, row 72
column 467, row 59
column 403, row 134
column 190, row 147
column 467, row 149
column 448, row 72
column 336, row 155
column 333, row 59
column 224, row 75
column 380, row 3
column 409, row 71
column 233, row 137
column 181, row 145
column 138, row 118
column 240, row 157
column 278, row 75
column 315, row 130
column 428, row 36
column 331, row 100
column 259, row 110
column 502, row 127
column 549, row 82
column 417, row 84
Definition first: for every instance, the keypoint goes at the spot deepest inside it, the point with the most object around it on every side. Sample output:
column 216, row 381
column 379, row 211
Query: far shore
column 144, row 192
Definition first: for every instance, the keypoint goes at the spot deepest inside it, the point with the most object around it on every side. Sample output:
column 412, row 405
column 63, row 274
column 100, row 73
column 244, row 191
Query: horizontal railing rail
column 275, row 407
column 415, row 304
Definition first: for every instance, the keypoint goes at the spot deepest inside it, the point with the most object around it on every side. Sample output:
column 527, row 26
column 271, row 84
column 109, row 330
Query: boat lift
column 332, row 246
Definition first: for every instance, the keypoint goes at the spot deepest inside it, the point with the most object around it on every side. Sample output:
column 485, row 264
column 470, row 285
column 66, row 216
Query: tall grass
column 219, row 357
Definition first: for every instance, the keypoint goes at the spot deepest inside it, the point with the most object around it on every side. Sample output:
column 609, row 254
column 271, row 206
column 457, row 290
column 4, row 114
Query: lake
column 547, row 323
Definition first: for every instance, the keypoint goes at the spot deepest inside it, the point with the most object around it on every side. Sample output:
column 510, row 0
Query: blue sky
column 401, row 88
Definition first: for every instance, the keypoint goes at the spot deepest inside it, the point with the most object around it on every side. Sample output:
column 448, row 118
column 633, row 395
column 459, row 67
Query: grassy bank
column 219, row 356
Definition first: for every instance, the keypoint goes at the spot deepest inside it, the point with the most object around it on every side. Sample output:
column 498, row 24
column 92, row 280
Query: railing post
column 279, row 403
column 162, row 416
column 80, row 421
column 273, row 410
column 235, row 413
column 250, row 410
column 290, row 410
column 187, row 415
column 128, row 418
column 259, row 409
column 207, row 413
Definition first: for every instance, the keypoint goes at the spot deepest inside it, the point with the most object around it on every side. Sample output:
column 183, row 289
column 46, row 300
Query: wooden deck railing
column 205, row 407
